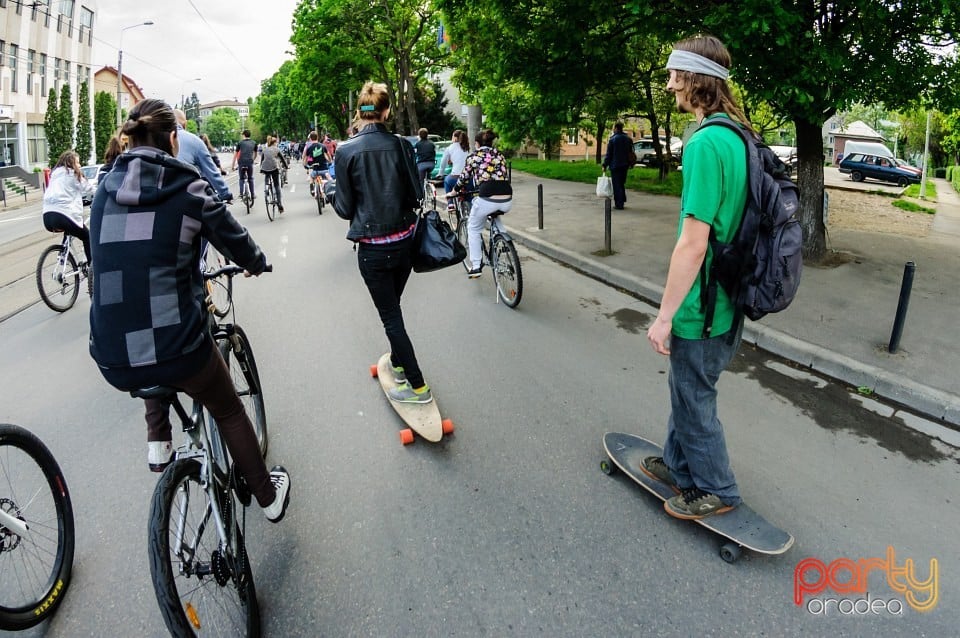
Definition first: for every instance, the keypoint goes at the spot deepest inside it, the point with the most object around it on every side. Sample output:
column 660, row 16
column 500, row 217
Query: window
column 1, row 52
column 66, row 16
column 36, row 143
column 8, row 145
column 14, row 49
column 573, row 136
column 43, row 74
column 66, row 72
column 31, row 69
column 56, row 74
column 86, row 23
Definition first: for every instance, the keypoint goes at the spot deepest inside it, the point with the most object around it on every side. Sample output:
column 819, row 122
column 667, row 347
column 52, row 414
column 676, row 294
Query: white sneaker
column 159, row 455
column 281, row 483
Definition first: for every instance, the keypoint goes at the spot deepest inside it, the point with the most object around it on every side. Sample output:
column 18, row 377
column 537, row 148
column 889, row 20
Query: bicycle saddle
column 153, row 392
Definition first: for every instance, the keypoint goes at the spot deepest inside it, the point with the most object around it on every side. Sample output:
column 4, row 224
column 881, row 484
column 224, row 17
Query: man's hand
column 659, row 334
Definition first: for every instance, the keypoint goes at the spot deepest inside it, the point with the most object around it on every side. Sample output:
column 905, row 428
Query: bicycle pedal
column 241, row 489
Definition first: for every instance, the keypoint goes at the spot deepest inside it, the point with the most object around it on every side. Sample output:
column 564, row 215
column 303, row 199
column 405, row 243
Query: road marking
column 17, row 219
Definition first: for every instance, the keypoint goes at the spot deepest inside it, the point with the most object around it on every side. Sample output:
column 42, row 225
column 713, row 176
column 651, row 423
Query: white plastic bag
column 604, row 186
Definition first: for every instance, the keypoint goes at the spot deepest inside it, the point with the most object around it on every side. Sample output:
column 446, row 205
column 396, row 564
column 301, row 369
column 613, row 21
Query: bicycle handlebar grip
column 268, row 268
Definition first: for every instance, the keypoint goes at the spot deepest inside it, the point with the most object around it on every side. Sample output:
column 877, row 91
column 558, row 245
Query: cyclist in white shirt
column 455, row 155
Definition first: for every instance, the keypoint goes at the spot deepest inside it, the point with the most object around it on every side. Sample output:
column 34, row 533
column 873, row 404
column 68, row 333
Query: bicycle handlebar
column 230, row 270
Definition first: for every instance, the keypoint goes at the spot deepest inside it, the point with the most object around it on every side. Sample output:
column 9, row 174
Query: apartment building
column 44, row 44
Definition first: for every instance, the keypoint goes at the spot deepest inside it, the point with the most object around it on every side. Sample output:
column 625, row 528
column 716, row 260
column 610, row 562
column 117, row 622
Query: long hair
column 461, row 138
column 70, row 161
column 706, row 92
column 149, row 124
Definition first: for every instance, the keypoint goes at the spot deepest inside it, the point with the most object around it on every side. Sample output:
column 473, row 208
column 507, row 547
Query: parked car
column 647, row 155
column 90, row 171
column 787, row 155
column 885, row 169
column 441, row 147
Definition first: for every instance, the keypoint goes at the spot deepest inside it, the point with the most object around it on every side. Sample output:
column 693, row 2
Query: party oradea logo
column 847, row 587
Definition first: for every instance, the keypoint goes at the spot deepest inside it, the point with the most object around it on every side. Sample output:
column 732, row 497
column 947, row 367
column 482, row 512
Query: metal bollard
column 905, row 286
column 540, row 206
column 607, row 226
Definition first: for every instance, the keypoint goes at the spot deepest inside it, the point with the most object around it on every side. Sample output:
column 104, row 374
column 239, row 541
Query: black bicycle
column 36, row 530
column 497, row 251
column 198, row 559
column 59, row 273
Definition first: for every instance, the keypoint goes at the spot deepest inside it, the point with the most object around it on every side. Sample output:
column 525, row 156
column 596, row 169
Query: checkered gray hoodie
column 146, row 222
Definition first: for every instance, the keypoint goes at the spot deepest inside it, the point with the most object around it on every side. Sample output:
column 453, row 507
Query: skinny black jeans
column 385, row 269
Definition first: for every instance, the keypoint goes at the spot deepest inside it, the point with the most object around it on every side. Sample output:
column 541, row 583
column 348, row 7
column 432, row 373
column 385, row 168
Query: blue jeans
column 696, row 450
column 385, row 269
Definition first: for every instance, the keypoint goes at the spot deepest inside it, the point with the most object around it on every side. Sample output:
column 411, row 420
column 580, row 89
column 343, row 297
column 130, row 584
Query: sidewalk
column 841, row 320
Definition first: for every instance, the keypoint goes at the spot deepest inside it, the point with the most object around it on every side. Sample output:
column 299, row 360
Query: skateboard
column 422, row 418
column 742, row 525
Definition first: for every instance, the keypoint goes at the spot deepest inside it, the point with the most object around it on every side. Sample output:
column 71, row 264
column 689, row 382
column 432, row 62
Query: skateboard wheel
column 374, row 371
column 447, row 426
column 406, row 436
column 606, row 467
column 730, row 552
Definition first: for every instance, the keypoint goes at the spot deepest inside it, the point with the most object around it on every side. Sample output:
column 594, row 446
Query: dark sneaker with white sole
column 694, row 503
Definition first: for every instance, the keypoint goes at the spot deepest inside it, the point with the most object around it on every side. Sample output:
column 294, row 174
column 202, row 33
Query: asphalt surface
column 841, row 321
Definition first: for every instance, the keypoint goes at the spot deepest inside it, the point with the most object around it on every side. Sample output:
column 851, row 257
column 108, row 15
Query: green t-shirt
column 715, row 193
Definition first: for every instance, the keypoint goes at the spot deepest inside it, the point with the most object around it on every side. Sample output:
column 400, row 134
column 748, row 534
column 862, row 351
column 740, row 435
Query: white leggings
column 478, row 217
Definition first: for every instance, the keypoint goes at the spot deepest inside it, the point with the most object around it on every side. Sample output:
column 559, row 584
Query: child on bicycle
column 63, row 200
column 148, row 325
column 486, row 171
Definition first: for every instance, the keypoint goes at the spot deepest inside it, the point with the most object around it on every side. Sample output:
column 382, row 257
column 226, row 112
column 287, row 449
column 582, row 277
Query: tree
column 809, row 58
column 222, row 126
column 84, row 128
column 51, row 127
column 104, row 120
column 65, row 116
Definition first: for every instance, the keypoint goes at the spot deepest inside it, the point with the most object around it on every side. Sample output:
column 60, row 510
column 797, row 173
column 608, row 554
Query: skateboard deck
column 422, row 418
column 742, row 525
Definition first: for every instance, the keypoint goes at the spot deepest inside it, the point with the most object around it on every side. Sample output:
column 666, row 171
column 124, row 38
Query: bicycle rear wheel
column 270, row 200
column 36, row 547
column 246, row 380
column 506, row 271
column 58, row 283
column 200, row 583
column 318, row 195
column 247, row 201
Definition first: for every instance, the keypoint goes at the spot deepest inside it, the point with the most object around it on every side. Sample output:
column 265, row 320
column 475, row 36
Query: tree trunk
column 600, row 131
column 810, row 181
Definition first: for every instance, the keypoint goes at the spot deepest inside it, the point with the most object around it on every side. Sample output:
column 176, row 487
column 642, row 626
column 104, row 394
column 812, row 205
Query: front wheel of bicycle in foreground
column 36, row 530
column 58, row 284
column 246, row 380
column 506, row 271
column 201, row 586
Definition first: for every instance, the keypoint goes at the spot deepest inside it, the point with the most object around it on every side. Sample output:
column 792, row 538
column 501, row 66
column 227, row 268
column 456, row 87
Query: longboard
column 742, row 525
column 422, row 418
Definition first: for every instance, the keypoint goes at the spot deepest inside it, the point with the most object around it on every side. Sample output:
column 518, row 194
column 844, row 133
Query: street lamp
column 120, row 61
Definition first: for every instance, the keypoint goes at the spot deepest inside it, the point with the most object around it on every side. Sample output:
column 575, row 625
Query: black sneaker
column 694, row 503
column 473, row 273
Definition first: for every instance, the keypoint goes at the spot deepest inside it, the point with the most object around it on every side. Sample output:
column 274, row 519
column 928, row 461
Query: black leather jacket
column 377, row 186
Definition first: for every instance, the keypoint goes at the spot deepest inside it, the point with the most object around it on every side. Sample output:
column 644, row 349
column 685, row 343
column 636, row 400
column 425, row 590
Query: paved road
column 508, row 528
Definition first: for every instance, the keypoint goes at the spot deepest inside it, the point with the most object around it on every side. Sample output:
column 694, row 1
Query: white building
column 44, row 44
column 242, row 108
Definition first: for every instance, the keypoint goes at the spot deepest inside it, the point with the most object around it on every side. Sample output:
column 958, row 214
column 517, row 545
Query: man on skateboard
column 695, row 462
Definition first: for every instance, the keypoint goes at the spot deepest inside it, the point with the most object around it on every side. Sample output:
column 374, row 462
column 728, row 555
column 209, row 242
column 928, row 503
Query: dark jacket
column 425, row 152
column 146, row 222
column 377, row 185
column 618, row 151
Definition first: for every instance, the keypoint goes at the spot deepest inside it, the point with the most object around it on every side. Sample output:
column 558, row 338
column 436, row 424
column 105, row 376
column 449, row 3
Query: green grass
column 912, row 207
column 913, row 190
column 646, row 180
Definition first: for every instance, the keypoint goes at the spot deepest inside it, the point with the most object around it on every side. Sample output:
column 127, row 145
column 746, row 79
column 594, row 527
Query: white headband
column 687, row 61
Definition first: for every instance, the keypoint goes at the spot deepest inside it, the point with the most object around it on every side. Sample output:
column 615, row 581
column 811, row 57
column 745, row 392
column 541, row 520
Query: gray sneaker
column 405, row 394
column 694, row 503
column 655, row 468
column 399, row 376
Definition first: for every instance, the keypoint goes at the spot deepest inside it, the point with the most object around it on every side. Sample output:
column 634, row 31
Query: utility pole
column 926, row 161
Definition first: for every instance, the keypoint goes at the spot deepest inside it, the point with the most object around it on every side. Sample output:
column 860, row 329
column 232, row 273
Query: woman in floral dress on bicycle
column 485, row 171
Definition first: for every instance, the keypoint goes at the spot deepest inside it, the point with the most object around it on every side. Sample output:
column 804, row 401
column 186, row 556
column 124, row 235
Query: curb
column 936, row 404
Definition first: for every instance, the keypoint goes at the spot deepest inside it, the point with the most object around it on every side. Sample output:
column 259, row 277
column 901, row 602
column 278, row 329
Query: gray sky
column 232, row 45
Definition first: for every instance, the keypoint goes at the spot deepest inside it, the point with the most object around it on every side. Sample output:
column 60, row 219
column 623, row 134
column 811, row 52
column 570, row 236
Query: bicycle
column 246, row 194
column 497, row 251
column 59, row 276
column 318, row 193
column 269, row 197
column 198, row 560
column 219, row 297
column 36, row 530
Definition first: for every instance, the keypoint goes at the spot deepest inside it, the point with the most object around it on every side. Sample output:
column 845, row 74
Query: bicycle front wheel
column 246, row 380
column 36, row 530
column 58, row 279
column 506, row 271
column 462, row 235
column 202, row 584
column 220, row 290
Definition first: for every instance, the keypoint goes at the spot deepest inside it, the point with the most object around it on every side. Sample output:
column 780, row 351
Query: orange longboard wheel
column 406, row 436
column 374, row 371
column 447, row 425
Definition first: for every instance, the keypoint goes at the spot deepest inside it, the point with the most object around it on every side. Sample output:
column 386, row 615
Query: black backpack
column 760, row 269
